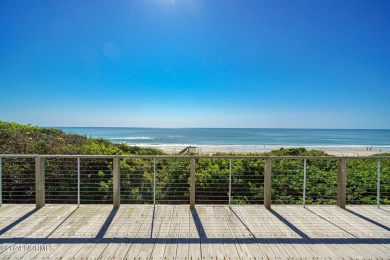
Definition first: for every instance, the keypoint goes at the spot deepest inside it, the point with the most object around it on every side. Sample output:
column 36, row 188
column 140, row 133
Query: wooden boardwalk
column 208, row 232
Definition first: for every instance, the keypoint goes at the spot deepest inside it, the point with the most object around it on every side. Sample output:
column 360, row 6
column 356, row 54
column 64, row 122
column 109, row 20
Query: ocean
column 241, row 138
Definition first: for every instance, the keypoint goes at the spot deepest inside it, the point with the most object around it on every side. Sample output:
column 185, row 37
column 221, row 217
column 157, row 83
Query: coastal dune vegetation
column 172, row 178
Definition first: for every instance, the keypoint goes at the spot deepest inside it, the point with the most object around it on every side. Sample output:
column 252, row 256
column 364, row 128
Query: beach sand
column 336, row 151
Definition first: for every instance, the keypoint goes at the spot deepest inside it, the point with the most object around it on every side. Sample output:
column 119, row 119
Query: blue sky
column 196, row 63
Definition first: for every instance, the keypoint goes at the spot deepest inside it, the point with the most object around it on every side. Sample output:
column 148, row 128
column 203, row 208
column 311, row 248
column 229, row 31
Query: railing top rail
column 188, row 156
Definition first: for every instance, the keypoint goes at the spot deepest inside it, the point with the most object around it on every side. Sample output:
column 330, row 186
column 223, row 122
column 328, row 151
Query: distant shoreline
column 241, row 140
column 353, row 150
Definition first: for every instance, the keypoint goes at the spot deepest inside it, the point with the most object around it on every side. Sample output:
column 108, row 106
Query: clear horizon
column 196, row 64
column 216, row 127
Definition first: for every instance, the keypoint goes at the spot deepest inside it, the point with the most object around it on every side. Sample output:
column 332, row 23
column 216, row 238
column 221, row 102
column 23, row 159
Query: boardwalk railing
column 166, row 179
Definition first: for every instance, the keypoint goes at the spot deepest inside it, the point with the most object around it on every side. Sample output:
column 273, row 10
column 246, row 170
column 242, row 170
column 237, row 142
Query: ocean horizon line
column 266, row 128
column 255, row 145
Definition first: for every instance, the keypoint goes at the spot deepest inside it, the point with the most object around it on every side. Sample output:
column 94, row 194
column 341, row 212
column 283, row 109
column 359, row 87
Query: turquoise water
column 239, row 136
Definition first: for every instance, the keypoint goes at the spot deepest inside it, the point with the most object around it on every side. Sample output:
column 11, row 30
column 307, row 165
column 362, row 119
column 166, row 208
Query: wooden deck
column 209, row 232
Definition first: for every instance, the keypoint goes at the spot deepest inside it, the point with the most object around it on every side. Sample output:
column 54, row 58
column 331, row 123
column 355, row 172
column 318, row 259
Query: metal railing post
column 267, row 183
column 342, row 183
column 78, row 182
column 1, row 182
column 154, row 181
column 304, row 183
column 39, row 182
column 230, row 181
column 116, row 182
column 192, row 183
column 378, row 188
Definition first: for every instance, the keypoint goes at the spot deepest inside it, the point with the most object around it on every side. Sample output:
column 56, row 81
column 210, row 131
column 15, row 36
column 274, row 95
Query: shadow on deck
column 319, row 230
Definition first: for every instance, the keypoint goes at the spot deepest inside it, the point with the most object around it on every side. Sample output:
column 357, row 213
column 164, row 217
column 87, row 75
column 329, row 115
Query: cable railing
column 287, row 182
column 137, row 181
column 61, row 180
column 246, row 183
column 321, row 186
column 213, row 185
column 169, row 179
column 18, row 180
column 361, row 182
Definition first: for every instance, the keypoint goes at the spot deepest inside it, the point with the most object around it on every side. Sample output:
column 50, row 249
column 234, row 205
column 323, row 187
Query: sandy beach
column 341, row 142
column 247, row 149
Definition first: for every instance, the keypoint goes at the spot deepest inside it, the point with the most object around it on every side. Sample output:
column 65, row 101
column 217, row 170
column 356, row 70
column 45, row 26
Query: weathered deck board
column 359, row 228
column 208, row 232
column 113, row 232
column 171, row 247
column 54, row 222
column 212, row 247
column 143, row 234
column 147, row 248
column 301, row 219
column 131, row 227
column 346, row 222
column 246, row 217
column 240, row 231
column 41, row 224
column 194, row 250
column 134, row 225
column 163, row 221
column 328, row 230
column 182, row 236
column 310, row 226
column 255, row 219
